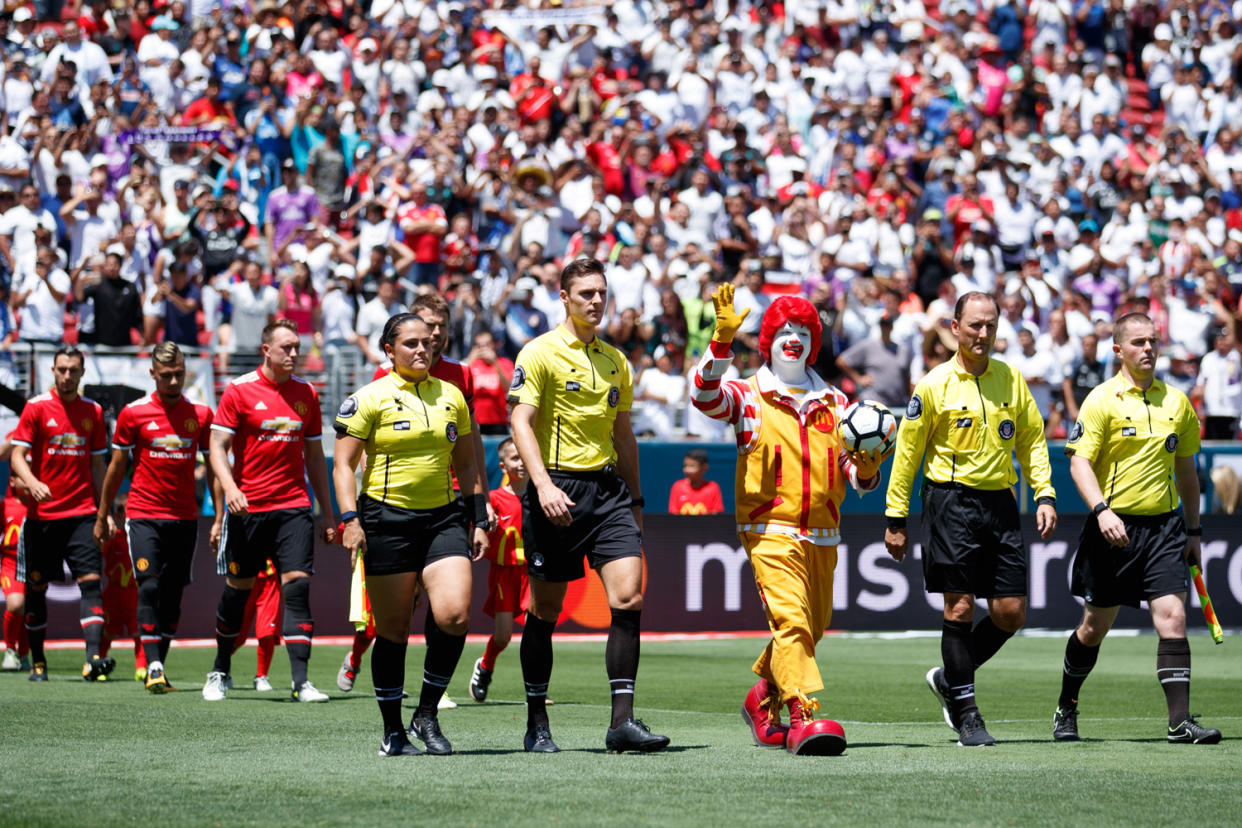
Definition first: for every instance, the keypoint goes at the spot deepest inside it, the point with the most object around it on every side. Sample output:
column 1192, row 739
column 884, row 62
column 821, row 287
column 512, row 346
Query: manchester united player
column 508, row 591
column 164, row 432
column 271, row 422
column 59, row 450
column 16, row 647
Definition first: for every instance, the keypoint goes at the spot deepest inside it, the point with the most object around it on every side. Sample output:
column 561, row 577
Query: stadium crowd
column 189, row 170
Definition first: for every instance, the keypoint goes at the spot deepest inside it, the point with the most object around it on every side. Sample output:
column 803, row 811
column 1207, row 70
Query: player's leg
column 178, row 540
column 294, row 558
column 244, row 546
column 392, row 602
column 498, row 641
column 1081, row 652
column 36, row 560
column 1005, row 617
column 1004, row 579
column 1168, row 614
column 364, row 628
column 535, row 653
column 959, row 669
column 86, row 565
column 16, row 645
column 144, row 549
column 447, row 582
column 622, row 579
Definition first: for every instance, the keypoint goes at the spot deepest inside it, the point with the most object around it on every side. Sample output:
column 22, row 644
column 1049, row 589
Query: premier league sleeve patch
column 914, row 409
column 1170, row 443
column 519, row 378
column 450, row 431
column 348, row 408
column 1006, row 429
column 1076, row 432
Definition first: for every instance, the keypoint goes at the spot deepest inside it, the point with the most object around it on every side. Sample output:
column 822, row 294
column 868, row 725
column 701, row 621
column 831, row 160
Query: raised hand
column 728, row 320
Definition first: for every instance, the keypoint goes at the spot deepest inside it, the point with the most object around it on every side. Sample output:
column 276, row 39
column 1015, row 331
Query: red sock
column 140, row 657
column 491, row 653
column 361, row 642
column 14, row 629
column 105, row 644
column 263, row 659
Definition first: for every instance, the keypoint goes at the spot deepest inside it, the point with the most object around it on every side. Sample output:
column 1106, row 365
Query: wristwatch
column 1102, row 506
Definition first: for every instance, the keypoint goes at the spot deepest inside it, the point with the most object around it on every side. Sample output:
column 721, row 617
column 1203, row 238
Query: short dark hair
column 960, row 307
column 1134, row 318
column 389, row 335
column 71, row 351
column 578, row 269
column 698, row 455
column 269, row 330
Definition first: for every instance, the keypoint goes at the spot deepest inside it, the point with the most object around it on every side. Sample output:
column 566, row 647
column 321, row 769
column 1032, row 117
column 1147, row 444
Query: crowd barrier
column 698, row 580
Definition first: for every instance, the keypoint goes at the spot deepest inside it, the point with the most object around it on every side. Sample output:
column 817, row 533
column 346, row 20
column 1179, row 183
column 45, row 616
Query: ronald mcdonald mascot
column 792, row 473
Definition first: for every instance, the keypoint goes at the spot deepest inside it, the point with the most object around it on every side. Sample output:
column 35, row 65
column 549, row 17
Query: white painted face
column 791, row 347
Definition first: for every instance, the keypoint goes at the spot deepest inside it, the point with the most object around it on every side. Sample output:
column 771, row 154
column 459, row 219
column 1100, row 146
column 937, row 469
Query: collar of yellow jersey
column 568, row 338
column 401, row 382
column 961, row 369
column 1125, row 386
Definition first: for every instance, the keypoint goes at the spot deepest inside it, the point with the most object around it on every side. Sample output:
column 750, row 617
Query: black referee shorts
column 45, row 546
column 408, row 540
column 287, row 536
column 972, row 542
column 603, row 527
column 1151, row 565
column 163, row 548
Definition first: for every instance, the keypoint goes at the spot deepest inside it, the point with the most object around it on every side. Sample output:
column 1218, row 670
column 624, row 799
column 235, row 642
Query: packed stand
column 190, row 170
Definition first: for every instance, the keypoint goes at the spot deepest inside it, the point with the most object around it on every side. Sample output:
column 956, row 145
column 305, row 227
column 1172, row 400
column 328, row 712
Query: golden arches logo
column 693, row 509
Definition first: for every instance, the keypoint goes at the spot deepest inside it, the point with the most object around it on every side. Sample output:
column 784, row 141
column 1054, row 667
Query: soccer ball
column 868, row 425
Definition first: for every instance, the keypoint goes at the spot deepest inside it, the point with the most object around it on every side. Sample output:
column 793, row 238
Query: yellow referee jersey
column 1132, row 438
column 578, row 389
column 965, row 430
column 410, row 430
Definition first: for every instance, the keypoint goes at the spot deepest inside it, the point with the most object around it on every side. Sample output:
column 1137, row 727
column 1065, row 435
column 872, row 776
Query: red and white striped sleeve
column 732, row 402
column 843, row 459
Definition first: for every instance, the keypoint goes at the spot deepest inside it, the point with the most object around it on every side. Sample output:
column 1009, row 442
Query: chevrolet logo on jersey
column 281, row 424
column 171, row 442
column 67, row 440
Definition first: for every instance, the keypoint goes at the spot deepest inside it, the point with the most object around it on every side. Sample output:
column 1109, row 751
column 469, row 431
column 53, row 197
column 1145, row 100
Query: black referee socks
column 959, row 666
column 443, row 653
column 148, row 618
column 229, row 615
column 986, row 640
column 388, row 678
column 621, row 661
column 536, row 655
column 1079, row 660
column 1173, row 670
column 36, row 623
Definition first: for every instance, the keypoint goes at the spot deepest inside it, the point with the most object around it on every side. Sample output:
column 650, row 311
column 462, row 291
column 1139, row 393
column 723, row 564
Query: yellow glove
column 728, row 321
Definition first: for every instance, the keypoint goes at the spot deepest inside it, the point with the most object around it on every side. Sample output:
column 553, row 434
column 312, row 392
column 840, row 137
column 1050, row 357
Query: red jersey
column 269, row 424
column 14, row 514
column 684, row 499
column 446, row 369
column 117, row 565
column 426, row 246
column 165, row 441
column 61, row 438
column 608, row 159
column 504, row 542
column 492, row 388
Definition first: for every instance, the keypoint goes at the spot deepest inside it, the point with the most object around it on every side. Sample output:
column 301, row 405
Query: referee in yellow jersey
column 965, row 421
column 1132, row 457
column 407, row 523
column 571, row 397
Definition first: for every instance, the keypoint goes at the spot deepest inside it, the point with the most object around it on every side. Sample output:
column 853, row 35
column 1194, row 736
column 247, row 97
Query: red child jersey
column 684, row 499
column 165, row 441
column 504, row 542
column 491, row 387
column 269, row 424
column 61, row 437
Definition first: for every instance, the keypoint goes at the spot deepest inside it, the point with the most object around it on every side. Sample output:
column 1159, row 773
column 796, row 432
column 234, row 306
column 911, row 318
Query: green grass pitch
column 109, row 754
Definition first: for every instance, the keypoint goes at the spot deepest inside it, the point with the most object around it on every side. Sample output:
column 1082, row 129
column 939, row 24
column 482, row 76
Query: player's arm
column 554, row 502
column 718, row 400
column 317, row 471
column 480, row 464
column 107, row 493
column 1032, row 448
column 221, row 444
column 627, row 461
column 473, row 494
column 912, row 437
column 346, row 454
column 1186, row 476
column 21, row 467
column 1111, row 526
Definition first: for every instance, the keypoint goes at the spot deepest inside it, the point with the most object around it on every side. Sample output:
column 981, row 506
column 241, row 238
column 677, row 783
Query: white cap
column 22, row 15
column 368, row 44
column 1044, row 225
column 1163, row 31
column 344, row 270
column 485, row 72
column 441, row 77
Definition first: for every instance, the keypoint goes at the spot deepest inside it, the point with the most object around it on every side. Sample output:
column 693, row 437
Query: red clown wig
column 793, row 309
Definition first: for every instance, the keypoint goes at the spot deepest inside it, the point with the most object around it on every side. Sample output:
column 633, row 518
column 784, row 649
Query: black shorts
column 162, row 547
column 45, row 546
column 408, row 540
column 972, row 542
column 603, row 527
column 1151, row 565
column 287, row 536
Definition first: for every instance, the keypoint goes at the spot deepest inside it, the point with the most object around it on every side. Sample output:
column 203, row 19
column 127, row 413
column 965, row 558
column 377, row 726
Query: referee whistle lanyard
column 399, row 399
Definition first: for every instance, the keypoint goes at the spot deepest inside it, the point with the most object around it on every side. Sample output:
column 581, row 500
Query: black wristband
column 895, row 522
column 637, row 502
column 1197, row 532
column 1102, row 506
column 476, row 505
column 346, row 517
column 1045, row 501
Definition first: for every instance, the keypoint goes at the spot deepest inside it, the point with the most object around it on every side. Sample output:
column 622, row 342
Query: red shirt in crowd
column 504, row 546
column 491, row 385
column 165, row 441
column 684, row 499
column 61, row 437
column 606, row 157
column 270, row 424
column 533, row 96
column 426, row 246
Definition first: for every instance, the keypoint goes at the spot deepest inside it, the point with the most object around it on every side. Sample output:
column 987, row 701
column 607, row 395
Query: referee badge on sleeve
column 914, row 409
column 1076, row 432
column 1170, row 443
column 614, row 396
column 349, row 406
column 519, row 378
column 1006, row 429
column 450, row 431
